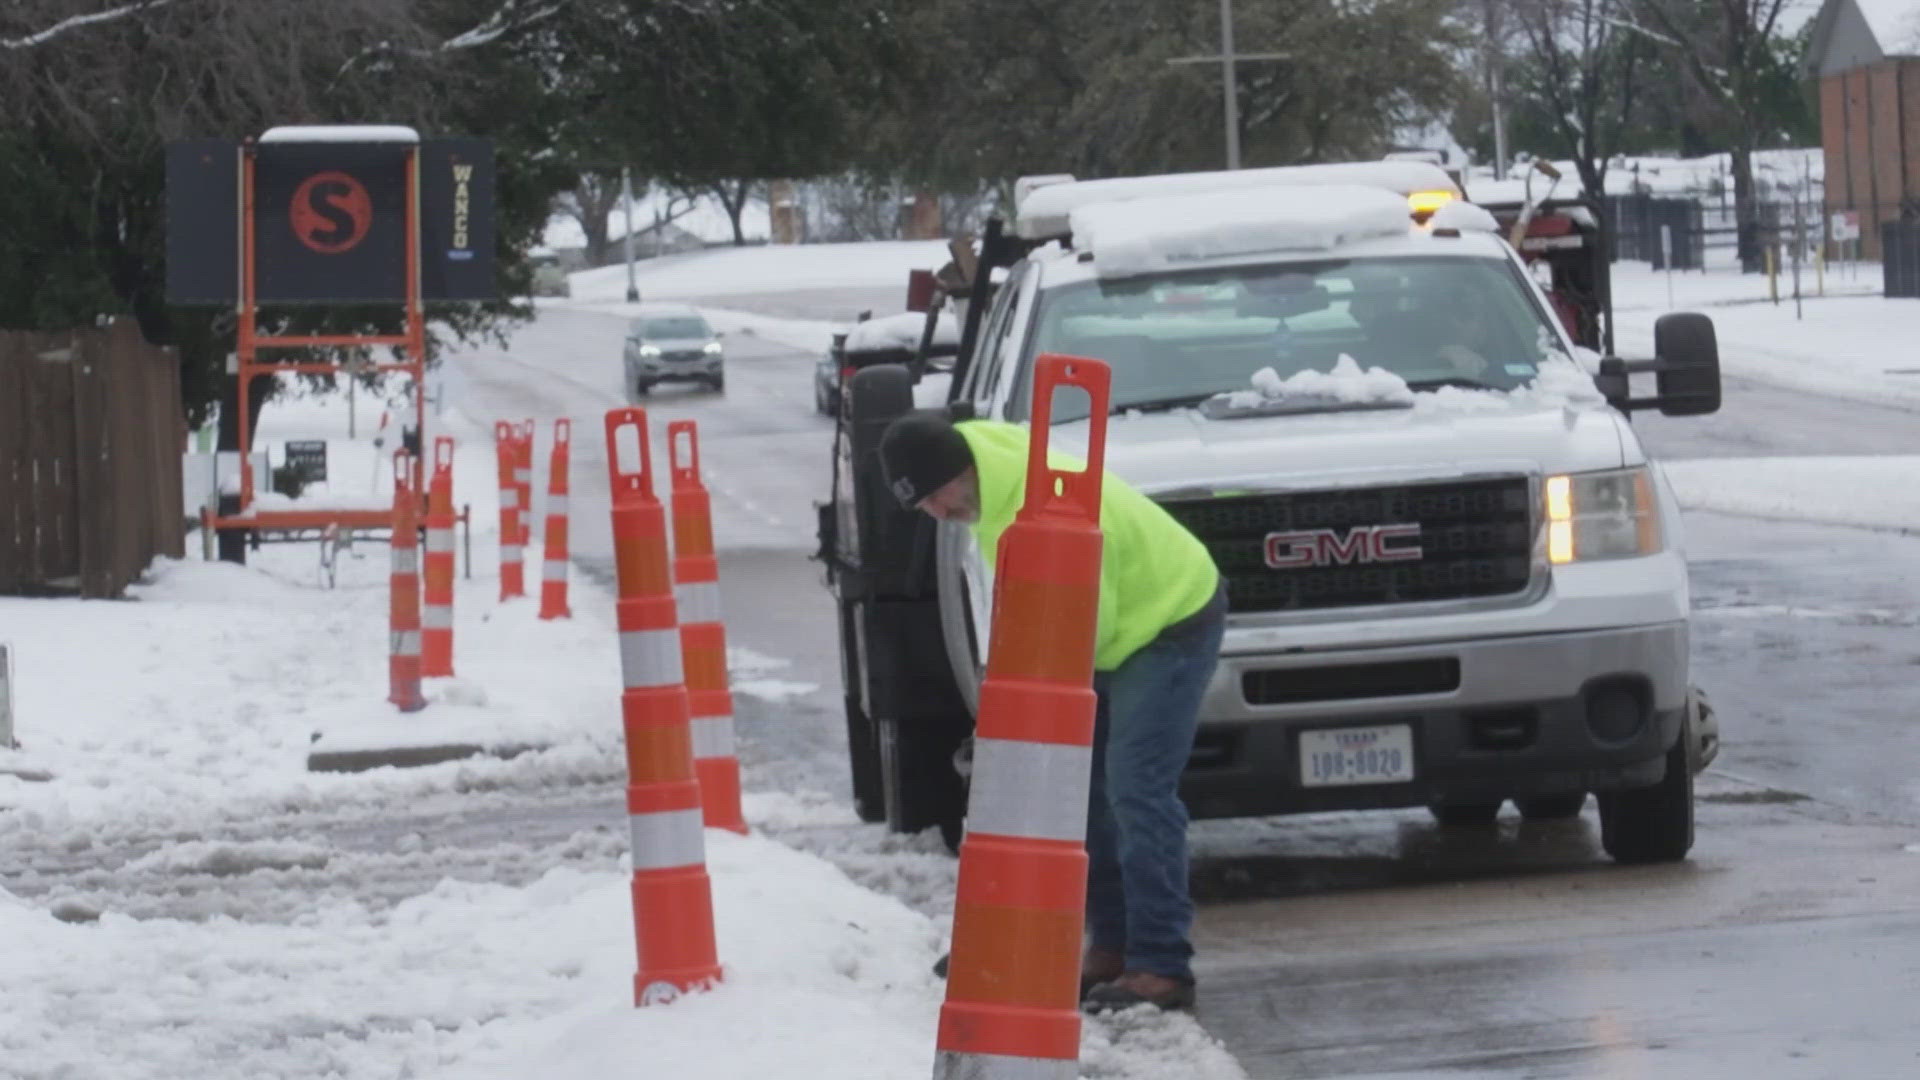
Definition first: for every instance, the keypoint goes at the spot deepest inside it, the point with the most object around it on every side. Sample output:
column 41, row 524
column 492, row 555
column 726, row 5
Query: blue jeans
column 1148, row 710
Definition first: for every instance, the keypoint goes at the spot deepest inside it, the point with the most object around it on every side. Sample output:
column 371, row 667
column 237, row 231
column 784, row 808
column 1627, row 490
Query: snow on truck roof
column 1046, row 204
column 1146, row 236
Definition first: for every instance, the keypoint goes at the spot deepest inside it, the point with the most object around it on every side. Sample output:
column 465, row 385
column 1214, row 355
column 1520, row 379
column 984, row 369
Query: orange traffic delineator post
column 523, row 479
column 513, row 580
column 403, row 611
column 703, row 637
column 436, row 619
column 553, row 566
column 1013, row 984
column 672, row 895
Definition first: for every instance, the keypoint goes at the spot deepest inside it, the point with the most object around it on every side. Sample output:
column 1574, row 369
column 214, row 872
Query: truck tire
column 863, row 756
column 900, row 682
column 1551, row 807
column 923, row 789
column 1652, row 824
column 863, row 744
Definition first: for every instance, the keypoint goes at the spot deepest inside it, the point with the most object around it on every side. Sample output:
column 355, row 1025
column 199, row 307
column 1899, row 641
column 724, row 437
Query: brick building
column 1866, row 56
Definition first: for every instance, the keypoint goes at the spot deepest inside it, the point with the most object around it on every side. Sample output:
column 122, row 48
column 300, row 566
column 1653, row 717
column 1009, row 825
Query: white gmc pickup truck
column 1454, row 576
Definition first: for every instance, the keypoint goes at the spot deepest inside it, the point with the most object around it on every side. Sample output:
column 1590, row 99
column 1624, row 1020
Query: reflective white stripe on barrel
column 697, row 602
column 712, row 736
column 436, row 617
column 1030, row 789
column 406, row 560
column 556, row 505
column 439, row 541
column 553, row 570
column 667, row 839
column 510, row 498
column 510, row 552
column 405, row 642
column 523, row 476
column 651, row 658
column 953, row 1065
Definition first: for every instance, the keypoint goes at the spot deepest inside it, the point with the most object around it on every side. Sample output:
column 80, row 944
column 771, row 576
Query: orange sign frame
column 251, row 343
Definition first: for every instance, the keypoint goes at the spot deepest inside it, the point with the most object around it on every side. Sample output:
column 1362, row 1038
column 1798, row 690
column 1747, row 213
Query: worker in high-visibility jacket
column 1162, row 612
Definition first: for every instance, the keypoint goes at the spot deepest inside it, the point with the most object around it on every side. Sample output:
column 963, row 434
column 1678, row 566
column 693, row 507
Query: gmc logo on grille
column 1335, row 547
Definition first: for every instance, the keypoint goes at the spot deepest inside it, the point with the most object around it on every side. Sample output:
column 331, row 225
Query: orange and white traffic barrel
column 523, row 479
column 403, row 609
column 1013, row 982
column 703, row 637
column 672, row 895
column 436, row 618
column 513, row 581
column 553, row 566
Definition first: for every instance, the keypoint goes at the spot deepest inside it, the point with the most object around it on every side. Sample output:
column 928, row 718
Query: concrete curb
column 407, row 757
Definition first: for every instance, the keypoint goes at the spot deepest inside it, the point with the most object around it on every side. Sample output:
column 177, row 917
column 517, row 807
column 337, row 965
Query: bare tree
column 1725, row 49
column 1493, row 39
column 1583, row 64
column 733, row 196
column 590, row 203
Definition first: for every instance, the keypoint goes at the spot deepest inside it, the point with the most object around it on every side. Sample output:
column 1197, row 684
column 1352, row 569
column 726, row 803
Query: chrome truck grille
column 1353, row 547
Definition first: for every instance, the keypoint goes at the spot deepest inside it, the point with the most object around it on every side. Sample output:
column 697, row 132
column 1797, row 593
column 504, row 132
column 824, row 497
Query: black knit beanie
column 921, row 451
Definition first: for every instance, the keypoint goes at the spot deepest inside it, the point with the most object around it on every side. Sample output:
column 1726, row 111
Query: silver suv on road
column 672, row 343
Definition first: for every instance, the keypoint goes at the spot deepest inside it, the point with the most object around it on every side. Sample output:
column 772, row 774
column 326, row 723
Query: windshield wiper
column 1157, row 404
column 1451, row 380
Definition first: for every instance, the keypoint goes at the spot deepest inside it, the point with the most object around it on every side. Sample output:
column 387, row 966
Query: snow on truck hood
column 1547, row 427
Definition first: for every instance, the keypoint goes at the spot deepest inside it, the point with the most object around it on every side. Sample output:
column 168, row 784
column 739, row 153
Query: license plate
column 1356, row 755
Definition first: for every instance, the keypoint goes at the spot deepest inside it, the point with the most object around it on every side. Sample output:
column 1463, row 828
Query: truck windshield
column 675, row 326
column 1177, row 339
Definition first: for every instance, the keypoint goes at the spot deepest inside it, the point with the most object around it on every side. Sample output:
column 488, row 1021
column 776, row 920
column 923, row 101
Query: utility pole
column 626, row 200
column 1229, row 85
column 1495, row 31
column 1229, row 79
column 1497, row 91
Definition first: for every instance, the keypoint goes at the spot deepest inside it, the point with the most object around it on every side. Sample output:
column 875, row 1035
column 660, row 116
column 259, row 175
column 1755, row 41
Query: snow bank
column 1865, row 492
column 902, row 331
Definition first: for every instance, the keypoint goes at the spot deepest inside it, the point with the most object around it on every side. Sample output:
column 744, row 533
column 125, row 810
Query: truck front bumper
column 1489, row 718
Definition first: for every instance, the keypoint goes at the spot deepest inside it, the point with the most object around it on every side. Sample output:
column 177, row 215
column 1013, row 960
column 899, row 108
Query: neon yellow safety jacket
column 1153, row 572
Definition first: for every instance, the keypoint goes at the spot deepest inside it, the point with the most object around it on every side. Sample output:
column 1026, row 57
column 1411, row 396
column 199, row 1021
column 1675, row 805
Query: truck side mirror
column 1689, row 372
column 1612, row 381
column 1686, row 369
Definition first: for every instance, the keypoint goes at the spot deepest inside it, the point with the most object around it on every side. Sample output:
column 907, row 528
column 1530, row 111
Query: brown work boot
column 1139, row 988
column 1098, row 966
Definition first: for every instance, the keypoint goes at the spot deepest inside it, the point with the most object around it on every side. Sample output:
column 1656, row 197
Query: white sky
column 194, row 704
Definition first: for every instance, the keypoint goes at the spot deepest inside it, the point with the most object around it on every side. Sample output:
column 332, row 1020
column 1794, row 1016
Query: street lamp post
column 626, row 200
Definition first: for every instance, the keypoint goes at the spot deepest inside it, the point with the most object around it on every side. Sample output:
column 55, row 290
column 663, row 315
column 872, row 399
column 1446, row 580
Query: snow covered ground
column 196, row 701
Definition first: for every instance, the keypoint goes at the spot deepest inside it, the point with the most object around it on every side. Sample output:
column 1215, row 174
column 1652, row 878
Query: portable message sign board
column 329, row 217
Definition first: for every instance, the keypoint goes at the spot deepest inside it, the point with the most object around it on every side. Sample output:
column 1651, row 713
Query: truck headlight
column 1601, row 515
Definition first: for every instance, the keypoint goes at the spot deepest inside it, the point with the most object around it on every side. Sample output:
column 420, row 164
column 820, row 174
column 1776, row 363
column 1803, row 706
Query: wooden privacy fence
column 91, row 433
